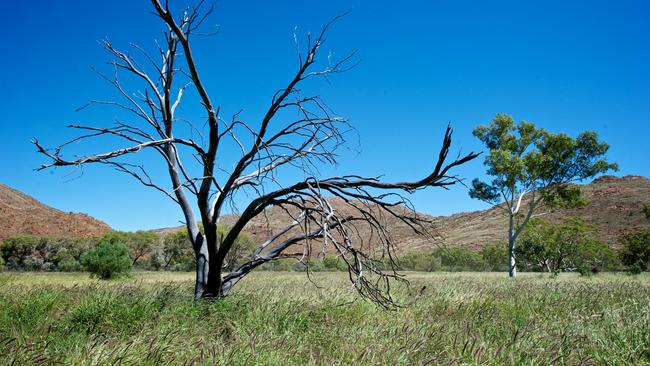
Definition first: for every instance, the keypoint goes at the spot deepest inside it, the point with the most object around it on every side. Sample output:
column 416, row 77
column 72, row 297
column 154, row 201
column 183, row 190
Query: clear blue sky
column 568, row 66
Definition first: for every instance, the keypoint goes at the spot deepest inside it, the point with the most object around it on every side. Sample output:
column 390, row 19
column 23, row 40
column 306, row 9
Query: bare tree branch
column 344, row 215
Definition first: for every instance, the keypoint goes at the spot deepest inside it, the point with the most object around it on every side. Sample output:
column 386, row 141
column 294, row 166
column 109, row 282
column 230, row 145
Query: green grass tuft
column 468, row 318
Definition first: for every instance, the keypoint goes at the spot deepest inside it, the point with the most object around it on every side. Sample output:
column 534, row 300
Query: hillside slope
column 21, row 214
column 614, row 207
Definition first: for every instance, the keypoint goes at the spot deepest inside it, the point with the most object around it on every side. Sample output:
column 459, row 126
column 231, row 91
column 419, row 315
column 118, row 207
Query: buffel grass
column 284, row 319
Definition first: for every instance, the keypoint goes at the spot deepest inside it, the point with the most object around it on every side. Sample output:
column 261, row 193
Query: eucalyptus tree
column 530, row 166
column 297, row 131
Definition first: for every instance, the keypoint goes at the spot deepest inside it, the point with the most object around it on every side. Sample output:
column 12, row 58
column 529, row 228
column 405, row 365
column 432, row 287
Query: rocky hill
column 614, row 207
column 21, row 214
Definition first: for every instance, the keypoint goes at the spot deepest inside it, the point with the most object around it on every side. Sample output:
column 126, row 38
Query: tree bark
column 512, row 264
column 208, row 269
column 202, row 267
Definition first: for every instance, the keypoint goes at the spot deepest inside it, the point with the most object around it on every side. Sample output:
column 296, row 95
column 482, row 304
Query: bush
column 488, row 258
column 107, row 260
column 334, row 263
column 646, row 210
column 495, row 257
column 636, row 249
column 35, row 253
column 281, row 264
column 568, row 246
column 584, row 271
column 423, row 262
column 176, row 253
column 33, row 264
column 593, row 256
column 240, row 251
column 2, row 264
column 156, row 260
column 69, row 264
column 459, row 259
column 140, row 244
column 636, row 268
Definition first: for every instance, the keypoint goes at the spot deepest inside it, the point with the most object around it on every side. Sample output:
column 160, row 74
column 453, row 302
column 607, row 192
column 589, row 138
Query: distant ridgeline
column 21, row 214
column 37, row 237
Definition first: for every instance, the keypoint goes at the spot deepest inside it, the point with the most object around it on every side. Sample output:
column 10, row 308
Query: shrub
column 23, row 252
column 459, row 259
column 593, row 256
column 140, row 243
column 69, row 264
column 584, row 271
column 282, row 264
column 33, row 264
column 646, row 210
column 35, row 253
column 636, row 249
column 2, row 264
column 424, row 262
column 177, row 253
column 107, row 260
column 156, row 260
column 561, row 247
column 495, row 257
column 636, row 268
column 334, row 263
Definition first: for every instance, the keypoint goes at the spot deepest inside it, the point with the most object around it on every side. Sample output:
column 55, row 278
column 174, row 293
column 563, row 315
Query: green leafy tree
column 459, row 259
column 594, row 256
column 69, row 264
column 177, row 254
column 107, row 260
column 425, row 262
column 568, row 246
column 494, row 257
column 40, row 253
column 140, row 243
column 530, row 165
column 636, row 250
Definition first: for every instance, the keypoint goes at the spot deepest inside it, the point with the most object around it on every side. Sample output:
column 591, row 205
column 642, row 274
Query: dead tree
column 304, row 139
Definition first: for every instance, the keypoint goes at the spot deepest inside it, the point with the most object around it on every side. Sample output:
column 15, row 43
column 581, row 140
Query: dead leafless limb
column 345, row 215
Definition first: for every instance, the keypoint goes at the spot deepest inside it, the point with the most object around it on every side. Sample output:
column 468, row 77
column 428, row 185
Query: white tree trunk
column 202, row 266
column 512, row 264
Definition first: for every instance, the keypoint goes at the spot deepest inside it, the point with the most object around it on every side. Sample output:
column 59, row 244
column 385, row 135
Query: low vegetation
column 282, row 318
column 545, row 247
column 569, row 246
column 145, row 250
column 107, row 260
column 636, row 252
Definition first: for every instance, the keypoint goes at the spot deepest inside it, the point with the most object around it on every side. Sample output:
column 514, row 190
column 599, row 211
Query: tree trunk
column 208, row 270
column 512, row 264
column 202, row 267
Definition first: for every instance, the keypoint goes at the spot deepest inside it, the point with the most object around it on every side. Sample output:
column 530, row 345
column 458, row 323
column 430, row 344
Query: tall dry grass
column 283, row 319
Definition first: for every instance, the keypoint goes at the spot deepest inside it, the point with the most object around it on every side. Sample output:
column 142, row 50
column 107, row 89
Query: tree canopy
column 525, row 161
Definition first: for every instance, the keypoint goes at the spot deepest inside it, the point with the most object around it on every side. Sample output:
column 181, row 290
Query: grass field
column 283, row 319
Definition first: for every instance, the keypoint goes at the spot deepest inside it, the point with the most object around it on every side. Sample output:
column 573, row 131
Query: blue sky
column 567, row 66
